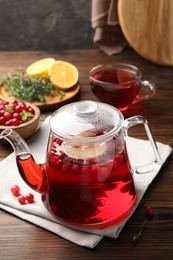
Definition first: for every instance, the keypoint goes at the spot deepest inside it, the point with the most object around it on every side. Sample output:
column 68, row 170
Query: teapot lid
column 86, row 120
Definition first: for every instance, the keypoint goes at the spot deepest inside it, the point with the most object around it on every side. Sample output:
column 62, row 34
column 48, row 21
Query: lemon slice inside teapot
column 83, row 152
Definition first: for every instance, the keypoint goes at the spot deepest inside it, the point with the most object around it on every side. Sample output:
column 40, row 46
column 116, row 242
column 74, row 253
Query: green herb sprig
column 26, row 88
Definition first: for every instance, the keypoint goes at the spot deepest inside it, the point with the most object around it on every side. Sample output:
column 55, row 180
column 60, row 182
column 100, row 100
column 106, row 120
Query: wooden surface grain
column 147, row 26
column 22, row 240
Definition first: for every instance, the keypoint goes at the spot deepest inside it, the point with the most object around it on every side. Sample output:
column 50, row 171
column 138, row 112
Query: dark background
column 45, row 24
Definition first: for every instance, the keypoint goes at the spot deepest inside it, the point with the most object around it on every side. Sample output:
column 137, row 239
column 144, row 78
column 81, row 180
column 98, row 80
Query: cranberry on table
column 149, row 211
column 30, row 197
column 15, row 190
column 21, row 199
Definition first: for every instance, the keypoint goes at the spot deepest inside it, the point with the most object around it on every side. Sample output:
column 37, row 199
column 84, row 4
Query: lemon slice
column 63, row 74
column 83, row 152
column 40, row 67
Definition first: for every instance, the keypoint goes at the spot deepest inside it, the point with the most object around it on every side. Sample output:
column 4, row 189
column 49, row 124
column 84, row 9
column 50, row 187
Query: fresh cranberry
column 31, row 110
column 149, row 211
column 21, row 199
column 3, row 102
column 2, row 111
column 1, row 106
column 75, row 169
column 7, row 115
column 15, row 121
column 58, row 141
column 2, row 120
column 66, row 167
column 54, row 145
column 30, row 197
column 8, row 123
column 18, row 109
column 17, row 115
column 13, row 104
column 15, row 190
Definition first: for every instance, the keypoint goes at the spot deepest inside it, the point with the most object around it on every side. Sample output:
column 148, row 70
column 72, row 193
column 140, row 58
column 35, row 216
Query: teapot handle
column 136, row 120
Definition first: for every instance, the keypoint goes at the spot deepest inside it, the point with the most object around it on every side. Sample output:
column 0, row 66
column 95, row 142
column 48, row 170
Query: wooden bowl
column 29, row 128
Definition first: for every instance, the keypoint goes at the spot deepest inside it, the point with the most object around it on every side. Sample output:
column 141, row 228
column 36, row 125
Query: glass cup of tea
column 120, row 85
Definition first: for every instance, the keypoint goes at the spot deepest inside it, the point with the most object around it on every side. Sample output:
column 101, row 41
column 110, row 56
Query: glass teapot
column 87, row 178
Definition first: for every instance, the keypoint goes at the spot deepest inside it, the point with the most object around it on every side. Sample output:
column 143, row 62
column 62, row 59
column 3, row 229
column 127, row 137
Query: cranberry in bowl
column 19, row 116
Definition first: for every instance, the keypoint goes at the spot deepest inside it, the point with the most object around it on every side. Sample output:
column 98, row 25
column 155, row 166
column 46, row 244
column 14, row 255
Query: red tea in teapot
column 97, row 191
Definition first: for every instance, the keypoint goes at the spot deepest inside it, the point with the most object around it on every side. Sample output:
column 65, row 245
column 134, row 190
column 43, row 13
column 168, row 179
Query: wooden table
column 22, row 240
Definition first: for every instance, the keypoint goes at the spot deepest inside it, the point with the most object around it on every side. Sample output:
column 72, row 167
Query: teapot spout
column 31, row 172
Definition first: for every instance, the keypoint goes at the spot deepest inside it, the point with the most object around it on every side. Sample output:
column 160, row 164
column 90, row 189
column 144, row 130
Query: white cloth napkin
column 36, row 213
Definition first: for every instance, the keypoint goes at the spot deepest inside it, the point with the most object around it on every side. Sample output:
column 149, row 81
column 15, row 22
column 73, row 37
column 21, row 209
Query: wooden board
column 148, row 28
column 51, row 102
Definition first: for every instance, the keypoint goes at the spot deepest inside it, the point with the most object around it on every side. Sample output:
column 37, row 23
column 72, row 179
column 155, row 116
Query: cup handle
column 136, row 120
column 146, row 91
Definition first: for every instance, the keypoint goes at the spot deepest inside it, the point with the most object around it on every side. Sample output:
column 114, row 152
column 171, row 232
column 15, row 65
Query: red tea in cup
column 120, row 85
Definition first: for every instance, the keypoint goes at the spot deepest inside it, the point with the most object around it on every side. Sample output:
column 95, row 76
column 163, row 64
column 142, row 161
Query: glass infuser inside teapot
column 87, row 178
